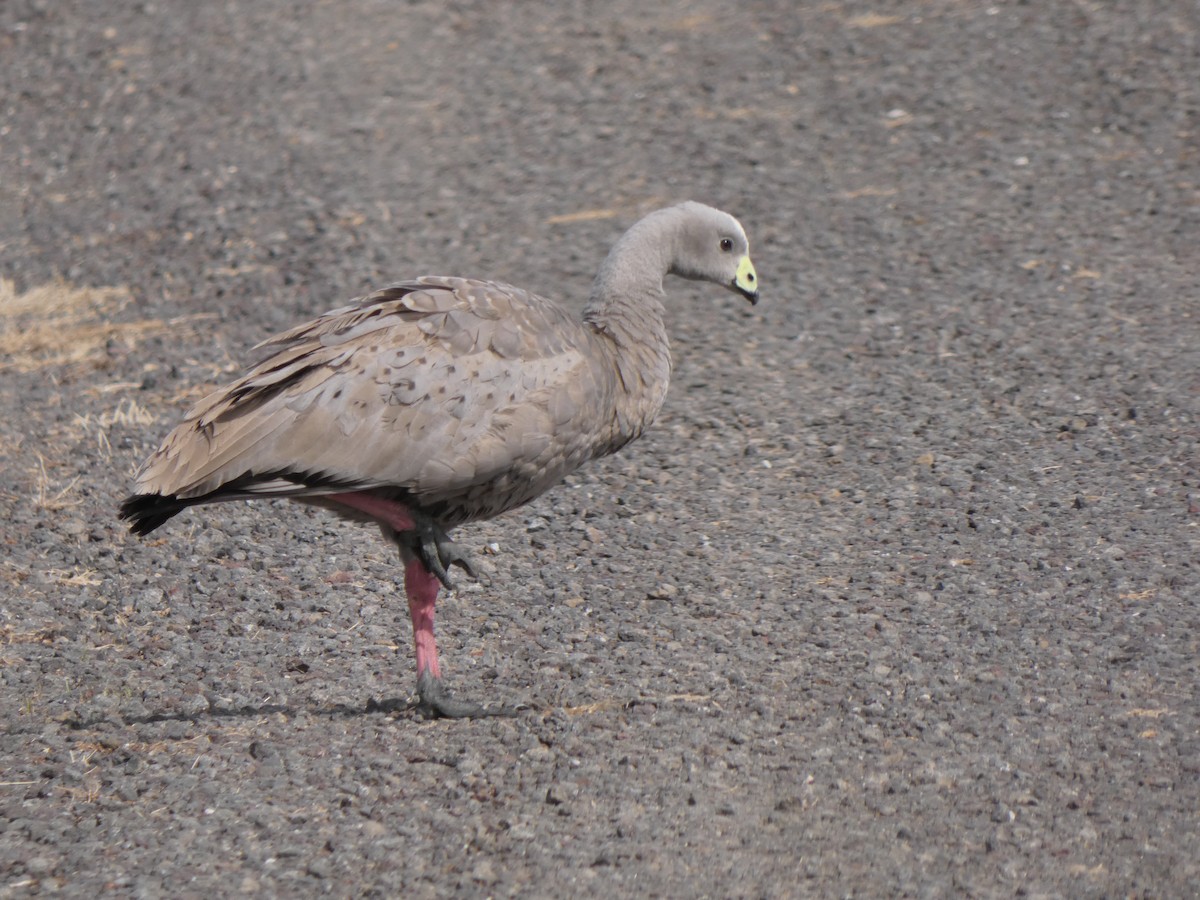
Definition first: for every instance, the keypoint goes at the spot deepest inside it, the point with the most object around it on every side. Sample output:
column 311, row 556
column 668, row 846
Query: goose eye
column 726, row 244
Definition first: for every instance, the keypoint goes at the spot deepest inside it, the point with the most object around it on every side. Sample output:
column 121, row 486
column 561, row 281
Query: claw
column 438, row 553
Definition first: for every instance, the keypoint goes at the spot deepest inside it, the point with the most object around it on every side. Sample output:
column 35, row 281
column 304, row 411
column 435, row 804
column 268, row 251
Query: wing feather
column 442, row 388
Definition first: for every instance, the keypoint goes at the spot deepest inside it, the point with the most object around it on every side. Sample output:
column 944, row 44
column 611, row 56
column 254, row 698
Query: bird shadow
column 253, row 711
column 215, row 711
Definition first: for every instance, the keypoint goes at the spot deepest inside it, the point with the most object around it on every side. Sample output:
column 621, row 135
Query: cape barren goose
column 441, row 401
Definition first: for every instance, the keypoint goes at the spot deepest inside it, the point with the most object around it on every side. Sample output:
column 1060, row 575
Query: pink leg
column 420, row 543
column 422, row 588
column 421, row 585
column 397, row 515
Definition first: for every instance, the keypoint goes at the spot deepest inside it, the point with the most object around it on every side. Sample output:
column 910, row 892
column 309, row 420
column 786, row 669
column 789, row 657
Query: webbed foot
column 437, row 702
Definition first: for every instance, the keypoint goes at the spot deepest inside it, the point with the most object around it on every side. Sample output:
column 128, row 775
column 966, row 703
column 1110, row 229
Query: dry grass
column 12, row 574
column 57, row 324
column 9, row 635
column 607, row 705
column 15, row 575
column 873, row 20
column 127, row 414
column 583, row 215
column 50, row 495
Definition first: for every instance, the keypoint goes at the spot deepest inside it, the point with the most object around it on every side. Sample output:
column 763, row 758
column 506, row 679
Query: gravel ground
column 899, row 598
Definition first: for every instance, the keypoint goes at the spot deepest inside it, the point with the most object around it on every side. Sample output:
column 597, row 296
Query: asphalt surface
column 899, row 598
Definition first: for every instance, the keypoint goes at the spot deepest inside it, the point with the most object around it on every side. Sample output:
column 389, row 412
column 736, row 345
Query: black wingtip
column 145, row 512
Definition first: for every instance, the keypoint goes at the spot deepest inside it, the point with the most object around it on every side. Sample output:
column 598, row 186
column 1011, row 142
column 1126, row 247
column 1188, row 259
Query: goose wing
column 454, row 391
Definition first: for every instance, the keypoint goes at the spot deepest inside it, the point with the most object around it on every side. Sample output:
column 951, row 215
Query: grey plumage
column 450, row 399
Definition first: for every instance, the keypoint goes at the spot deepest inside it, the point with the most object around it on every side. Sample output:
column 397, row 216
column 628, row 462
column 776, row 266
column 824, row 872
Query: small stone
column 39, row 866
column 484, row 871
column 562, row 792
column 318, row 868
